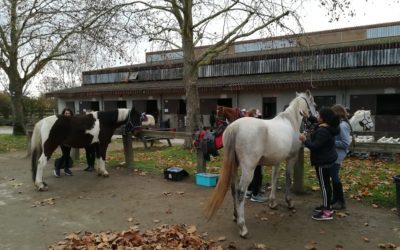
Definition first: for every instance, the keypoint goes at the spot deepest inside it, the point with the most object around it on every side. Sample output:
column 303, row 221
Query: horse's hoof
column 106, row 175
column 290, row 204
column 243, row 233
column 273, row 204
column 42, row 188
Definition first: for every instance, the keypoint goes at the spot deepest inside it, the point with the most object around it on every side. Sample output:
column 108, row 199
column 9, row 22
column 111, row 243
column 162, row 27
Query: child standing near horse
column 342, row 142
column 323, row 156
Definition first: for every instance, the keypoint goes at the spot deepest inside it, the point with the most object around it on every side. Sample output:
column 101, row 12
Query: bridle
column 129, row 125
column 364, row 122
column 306, row 125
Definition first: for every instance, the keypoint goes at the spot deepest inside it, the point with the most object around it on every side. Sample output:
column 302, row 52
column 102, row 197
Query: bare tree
column 185, row 24
column 34, row 33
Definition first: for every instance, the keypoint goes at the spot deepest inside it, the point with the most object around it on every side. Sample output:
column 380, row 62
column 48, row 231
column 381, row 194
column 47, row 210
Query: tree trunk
column 190, row 77
column 16, row 87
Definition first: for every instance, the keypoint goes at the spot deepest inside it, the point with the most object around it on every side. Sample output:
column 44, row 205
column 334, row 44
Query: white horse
column 249, row 142
column 149, row 122
column 361, row 121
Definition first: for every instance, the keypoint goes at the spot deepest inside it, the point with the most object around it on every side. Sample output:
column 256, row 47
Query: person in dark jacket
column 323, row 155
column 65, row 160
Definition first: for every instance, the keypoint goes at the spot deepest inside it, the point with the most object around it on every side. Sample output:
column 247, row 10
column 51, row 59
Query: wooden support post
column 28, row 138
column 298, row 174
column 128, row 151
column 75, row 154
column 201, row 162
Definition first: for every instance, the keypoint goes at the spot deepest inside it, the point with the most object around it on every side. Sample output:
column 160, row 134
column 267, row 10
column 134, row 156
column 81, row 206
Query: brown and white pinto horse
column 79, row 131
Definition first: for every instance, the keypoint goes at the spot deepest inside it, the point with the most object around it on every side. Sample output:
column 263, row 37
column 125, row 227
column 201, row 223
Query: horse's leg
column 41, row 186
column 289, row 170
column 245, row 179
column 101, row 166
column 233, row 191
column 272, row 197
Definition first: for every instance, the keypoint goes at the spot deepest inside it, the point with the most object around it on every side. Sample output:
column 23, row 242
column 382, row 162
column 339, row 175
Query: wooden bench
column 146, row 139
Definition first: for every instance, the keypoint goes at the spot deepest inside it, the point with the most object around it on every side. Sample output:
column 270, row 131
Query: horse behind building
column 78, row 131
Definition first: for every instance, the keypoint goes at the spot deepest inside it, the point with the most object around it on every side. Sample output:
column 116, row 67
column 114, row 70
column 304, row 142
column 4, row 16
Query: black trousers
column 64, row 161
column 324, row 179
column 256, row 182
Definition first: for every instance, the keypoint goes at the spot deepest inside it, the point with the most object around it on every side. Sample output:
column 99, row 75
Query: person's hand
column 302, row 137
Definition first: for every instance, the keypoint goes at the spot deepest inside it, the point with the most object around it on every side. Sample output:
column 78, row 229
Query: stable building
column 358, row 67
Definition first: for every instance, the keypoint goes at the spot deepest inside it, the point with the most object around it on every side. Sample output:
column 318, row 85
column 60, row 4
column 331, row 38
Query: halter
column 364, row 122
column 306, row 125
column 129, row 126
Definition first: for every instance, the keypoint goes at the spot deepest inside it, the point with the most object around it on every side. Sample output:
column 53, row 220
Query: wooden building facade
column 358, row 67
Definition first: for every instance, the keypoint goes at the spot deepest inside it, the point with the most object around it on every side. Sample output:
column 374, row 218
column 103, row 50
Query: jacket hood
column 333, row 130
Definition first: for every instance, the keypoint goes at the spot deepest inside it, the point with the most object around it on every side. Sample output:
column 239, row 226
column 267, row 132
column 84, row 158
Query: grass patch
column 370, row 181
column 12, row 143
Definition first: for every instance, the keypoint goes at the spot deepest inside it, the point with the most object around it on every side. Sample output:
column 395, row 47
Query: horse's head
column 363, row 119
column 307, row 106
column 224, row 113
column 134, row 121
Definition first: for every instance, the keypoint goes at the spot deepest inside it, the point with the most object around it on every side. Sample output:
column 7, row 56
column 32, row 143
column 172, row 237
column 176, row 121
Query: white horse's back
column 273, row 139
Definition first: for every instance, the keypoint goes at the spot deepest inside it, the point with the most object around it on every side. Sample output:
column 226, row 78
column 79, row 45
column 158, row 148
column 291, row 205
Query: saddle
column 212, row 140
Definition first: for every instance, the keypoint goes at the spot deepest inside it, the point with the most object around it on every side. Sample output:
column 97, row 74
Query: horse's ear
column 308, row 93
column 297, row 93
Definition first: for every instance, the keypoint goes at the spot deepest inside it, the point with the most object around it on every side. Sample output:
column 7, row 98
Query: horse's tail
column 36, row 148
column 227, row 173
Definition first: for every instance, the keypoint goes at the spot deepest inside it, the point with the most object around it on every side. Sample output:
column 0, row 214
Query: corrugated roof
column 343, row 77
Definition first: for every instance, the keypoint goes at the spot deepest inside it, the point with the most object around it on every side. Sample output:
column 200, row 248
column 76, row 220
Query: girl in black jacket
column 323, row 155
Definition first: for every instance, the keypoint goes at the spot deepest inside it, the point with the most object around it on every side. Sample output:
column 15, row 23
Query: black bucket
column 396, row 180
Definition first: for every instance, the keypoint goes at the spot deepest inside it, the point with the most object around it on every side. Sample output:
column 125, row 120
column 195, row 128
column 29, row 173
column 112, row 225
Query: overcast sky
column 367, row 12
column 316, row 19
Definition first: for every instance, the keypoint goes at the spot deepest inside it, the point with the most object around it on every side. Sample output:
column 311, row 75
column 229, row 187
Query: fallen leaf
column 260, row 246
column 366, row 224
column 156, row 221
column 339, row 247
column 365, row 239
column 315, row 188
column 130, row 219
column 341, row 215
column 191, row 229
column 264, row 218
column 222, row 238
column 374, row 205
column 180, row 192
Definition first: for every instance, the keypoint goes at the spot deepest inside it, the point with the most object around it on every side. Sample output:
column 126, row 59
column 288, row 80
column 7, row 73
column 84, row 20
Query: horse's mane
column 288, row 113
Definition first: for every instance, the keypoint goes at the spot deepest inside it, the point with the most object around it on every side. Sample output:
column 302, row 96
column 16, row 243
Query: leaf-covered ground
column 370, row 180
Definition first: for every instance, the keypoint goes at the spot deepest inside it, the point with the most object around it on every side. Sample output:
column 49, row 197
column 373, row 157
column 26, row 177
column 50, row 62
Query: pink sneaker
column 323, row 215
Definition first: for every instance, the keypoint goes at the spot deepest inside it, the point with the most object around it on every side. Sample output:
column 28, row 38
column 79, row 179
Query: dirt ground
column 86, row 202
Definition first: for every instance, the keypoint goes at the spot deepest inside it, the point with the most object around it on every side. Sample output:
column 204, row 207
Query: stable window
column 363, row 102
column 388, row 104
column 324, row 101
